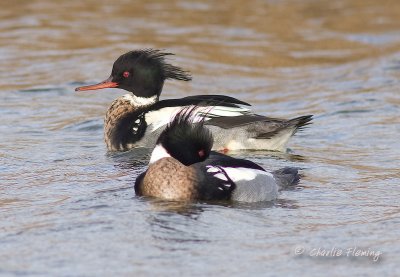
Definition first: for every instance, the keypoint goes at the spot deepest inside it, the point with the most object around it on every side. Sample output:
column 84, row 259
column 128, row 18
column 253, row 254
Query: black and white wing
column 207, row 107
column 252, row 183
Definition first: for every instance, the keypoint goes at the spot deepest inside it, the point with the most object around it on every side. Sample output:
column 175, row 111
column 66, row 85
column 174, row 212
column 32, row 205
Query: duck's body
column 182, row 167
column 128, row 125
column 170, row 179
column 136, row 120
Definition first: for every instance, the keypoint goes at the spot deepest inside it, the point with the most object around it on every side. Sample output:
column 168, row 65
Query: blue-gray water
column 68, row 208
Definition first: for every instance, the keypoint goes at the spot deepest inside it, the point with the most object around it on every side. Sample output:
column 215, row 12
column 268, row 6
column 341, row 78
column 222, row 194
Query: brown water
column 68, row 207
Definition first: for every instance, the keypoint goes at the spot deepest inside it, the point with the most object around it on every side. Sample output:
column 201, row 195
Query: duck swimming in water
column 137, row 119
column 183, row 167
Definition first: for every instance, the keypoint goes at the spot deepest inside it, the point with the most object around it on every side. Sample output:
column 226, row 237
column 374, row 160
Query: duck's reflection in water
column 177, row 225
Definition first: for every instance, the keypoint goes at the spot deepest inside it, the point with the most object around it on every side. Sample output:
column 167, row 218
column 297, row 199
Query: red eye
column 126, row 74
column 201, row 153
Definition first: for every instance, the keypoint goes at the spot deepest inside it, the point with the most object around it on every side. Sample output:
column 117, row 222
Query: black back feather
column 186, row 141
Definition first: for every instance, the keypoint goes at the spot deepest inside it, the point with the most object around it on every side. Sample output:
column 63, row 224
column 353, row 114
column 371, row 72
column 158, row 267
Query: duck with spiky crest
column 183, row 167
column 136, row 119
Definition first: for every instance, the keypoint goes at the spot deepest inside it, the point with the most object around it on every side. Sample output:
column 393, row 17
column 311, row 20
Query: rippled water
column 68, row 207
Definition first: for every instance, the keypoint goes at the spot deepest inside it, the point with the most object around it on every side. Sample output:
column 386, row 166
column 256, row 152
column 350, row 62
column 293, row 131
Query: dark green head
column 141, row 72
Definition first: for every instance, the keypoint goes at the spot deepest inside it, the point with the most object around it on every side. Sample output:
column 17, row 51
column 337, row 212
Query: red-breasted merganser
column 183, row 167
column 136, row 119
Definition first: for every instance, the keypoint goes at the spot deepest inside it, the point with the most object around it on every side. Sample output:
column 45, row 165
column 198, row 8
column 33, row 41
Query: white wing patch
column 218, row 111
column 221, row 176
column 218, row 172
column 252, row 185
column 212, row 169
column 244, row 174
column 159, row 118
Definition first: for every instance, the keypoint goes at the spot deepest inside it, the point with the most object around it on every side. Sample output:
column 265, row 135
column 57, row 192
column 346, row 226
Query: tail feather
column 300, row 122
column 292, row 126
column 287, row 177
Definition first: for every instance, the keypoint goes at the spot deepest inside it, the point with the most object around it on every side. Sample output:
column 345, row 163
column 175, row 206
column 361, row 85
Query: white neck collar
column 158, row 153
column 140, row 101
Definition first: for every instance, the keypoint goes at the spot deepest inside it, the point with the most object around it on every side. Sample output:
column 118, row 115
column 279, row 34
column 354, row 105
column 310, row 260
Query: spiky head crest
column 185, row 138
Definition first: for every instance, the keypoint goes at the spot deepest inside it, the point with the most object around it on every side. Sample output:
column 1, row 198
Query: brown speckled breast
column 120, row 108
column 169, row 179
